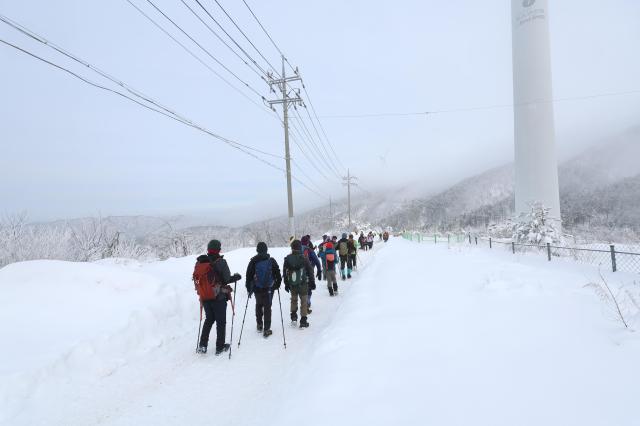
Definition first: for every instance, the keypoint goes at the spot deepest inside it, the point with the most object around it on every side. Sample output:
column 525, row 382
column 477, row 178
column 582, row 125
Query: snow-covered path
column 422, row 335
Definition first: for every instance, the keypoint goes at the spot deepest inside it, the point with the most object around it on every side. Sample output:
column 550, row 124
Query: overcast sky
column 70, row 150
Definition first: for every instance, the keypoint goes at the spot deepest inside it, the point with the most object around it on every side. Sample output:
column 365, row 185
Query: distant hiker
column 211, row 277
column 309, row 253
column 321, row 248
column 329, row 260
column 385, row 236
column 343, row 252
column 262, row 279
column 362, row 240
column 353, row 252
column 370, row 239
column 334, row 240
column 298, row 278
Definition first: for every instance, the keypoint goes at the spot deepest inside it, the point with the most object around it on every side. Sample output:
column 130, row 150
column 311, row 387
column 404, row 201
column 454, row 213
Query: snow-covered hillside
column 422, row 335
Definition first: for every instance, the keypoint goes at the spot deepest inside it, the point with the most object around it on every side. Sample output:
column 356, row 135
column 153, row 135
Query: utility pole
column 331, row 212
column 287, row 100
column 349, row 182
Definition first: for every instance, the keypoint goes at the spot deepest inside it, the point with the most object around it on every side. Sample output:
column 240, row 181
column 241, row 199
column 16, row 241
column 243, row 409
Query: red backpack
column 206, row 281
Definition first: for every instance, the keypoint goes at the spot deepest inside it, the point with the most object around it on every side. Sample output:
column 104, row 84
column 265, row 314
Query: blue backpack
column 263, row 277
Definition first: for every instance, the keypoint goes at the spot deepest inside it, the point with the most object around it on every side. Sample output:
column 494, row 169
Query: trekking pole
column 282, row 320
column 243, row 318
column 233, row 316
column 199, row 329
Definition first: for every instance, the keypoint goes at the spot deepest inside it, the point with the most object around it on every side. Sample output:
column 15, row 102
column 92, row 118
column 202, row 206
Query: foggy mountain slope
column 609, row 171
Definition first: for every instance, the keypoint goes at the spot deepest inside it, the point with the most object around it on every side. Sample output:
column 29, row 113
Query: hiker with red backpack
column 212, row 277
column 329, row 260
column 310, row 254
column 297, row 273
column 262, row 279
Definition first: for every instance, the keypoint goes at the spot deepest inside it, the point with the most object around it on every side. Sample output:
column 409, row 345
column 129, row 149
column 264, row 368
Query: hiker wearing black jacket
column 216, row 309
column 263, row 291
column 297, row 273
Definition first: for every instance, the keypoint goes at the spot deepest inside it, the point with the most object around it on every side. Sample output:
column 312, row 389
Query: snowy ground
column 422, row 335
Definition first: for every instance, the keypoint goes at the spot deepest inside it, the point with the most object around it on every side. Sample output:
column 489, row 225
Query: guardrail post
column 449, row 239
column 513, row 247
column 476, row 240
column 490, row 243
column 469, row 238
column 614, row 265
column 435, row 238
column 549, row 251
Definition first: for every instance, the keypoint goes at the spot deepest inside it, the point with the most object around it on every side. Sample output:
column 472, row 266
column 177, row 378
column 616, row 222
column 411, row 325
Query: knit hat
column 262, row 247
column 344, row 235
column 305, row 240
column 214, row 247
column 296, row 245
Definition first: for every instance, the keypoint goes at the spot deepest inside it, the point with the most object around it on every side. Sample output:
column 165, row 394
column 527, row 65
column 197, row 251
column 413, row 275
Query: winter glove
column 249, row 292
column 286, row 288
column 276, row 285
column 312, row 286
column 236, row 277
column 319, row 274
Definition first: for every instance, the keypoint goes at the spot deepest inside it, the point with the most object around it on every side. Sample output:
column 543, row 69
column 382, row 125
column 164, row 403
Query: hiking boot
column 201, row 349
column 309, row 310
column 294, row 316
column 303, row 322
column 223, row 349
column 349, row 276
column 267, row 333
column 344, row 278
column 259, row 327
column 330, row 291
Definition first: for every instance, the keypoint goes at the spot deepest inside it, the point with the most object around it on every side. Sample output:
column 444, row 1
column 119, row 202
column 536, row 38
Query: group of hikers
column 300, row 270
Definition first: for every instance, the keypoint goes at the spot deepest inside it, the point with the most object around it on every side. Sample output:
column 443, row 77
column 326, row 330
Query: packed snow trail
column 421, row 335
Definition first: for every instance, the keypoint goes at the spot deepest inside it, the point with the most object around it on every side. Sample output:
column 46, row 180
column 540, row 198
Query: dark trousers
column 216, row 311
column 354, row 260
column 345, row 261
column 263, row 309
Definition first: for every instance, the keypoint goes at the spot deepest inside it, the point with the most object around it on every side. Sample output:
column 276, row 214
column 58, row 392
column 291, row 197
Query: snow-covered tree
column 536, row 227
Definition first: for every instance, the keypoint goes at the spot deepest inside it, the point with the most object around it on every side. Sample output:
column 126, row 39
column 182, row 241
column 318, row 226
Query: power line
column 167, row 111
column 315, row 145
column 265, row 31
column 304, row 87
column 203, row 48
column 323, row 145
column 247, row 38
column 190, row 52
column 258, row 73
column 262, row 70
column 158, row 107
column 485, row 107
column 244, row 148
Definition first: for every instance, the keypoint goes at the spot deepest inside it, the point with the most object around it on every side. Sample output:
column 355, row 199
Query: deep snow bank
column 421, row 335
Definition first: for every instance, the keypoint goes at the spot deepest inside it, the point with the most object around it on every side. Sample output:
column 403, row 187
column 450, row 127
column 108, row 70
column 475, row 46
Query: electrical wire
column 304, row 87
column 241, row 147
column 485, row 107
column 314, row 144
column 203, row 48
column 190, row 52
column 247, row 38
column 258, row 73
column 231, row 38
column 167, row 111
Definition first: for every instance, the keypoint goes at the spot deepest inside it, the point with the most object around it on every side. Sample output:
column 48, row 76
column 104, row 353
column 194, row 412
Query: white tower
column 536, row 165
